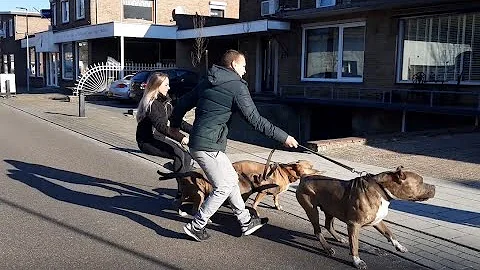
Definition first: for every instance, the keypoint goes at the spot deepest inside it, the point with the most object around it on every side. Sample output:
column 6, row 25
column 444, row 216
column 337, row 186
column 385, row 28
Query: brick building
column 350, row 67
column 84, row 32
column 14, row 27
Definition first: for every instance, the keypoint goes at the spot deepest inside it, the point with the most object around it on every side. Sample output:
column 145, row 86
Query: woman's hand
column 291, row 142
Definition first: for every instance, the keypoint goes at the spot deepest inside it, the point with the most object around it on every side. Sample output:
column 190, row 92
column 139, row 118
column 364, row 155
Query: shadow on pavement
column 129, row 199
column 64, row 114
column 467, row 218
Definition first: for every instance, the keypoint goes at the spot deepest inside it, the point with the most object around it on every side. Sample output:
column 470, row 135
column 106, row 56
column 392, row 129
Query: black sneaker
column 198, row 235
column 254, row 224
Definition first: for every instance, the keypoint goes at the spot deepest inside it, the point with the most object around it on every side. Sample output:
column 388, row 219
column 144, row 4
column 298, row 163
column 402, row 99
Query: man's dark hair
column 230, row 56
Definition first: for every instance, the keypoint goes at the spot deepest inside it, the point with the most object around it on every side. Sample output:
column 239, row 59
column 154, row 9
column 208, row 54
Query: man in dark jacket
column 215, row 99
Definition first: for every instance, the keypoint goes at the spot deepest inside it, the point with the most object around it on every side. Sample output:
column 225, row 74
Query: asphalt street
column 70, row 202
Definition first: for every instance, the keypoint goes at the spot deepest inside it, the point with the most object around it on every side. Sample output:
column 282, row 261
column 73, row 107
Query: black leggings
column 181, row 159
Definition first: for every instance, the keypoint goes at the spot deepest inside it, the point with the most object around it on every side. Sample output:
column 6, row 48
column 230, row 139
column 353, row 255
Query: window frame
column 399, row 54
column 341, row 27
column 78, row 8
column 318, row 4
column 54, row 13
column 65, row 6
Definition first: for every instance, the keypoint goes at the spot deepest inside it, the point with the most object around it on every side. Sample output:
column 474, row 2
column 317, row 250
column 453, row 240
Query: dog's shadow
column 128, row 202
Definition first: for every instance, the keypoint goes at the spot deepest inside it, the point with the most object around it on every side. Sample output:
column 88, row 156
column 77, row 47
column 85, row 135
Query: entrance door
column 53, row 69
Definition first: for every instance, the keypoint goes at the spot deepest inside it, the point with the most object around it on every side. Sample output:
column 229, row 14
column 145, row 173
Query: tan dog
column 359, row 202
column 257, row 175
column 253, row 177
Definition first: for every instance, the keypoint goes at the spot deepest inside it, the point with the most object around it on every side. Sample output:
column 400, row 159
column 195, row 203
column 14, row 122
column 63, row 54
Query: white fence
column 98, row 77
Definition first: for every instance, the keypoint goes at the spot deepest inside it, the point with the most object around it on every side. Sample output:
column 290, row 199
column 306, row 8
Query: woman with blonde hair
column 153, row 113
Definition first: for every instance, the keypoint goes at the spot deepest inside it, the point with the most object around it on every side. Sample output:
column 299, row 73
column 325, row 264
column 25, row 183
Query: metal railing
column 466, row 100
column 98, row 77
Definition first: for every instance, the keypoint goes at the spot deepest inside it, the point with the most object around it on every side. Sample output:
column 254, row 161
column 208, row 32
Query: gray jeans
column 224, row 179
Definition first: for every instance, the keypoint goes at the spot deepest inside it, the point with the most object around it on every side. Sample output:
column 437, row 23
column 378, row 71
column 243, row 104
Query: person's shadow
column 128, row 201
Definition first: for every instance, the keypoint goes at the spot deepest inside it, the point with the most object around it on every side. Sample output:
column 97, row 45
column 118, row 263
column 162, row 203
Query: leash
column 333, row 161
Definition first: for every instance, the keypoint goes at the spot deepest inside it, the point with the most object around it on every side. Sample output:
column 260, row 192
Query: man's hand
column 184, row 141
column 291, row 142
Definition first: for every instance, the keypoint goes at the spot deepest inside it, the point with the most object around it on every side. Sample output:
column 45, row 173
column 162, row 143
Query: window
column 5, row 64
column 82, row 54
column 54, row 14
column 40, row 64
column 10, row 27
column 138, row 9
column 32, row 61
column 443, row 48
column 65, row 11
column 67, row 61
column 325, row 3
column 12, row 63
column 4, row 29
column 217, row 9
column 334, row 53
column 80, row 9
column 217, row 12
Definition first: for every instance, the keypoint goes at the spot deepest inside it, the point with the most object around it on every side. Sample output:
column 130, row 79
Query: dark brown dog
column 359, row 202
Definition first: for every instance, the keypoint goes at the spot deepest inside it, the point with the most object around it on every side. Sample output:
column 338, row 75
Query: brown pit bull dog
column 253, row 177
column 359, row 202
column 257, row 175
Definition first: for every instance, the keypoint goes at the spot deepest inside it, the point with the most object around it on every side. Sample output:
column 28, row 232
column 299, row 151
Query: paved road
column 67, row 201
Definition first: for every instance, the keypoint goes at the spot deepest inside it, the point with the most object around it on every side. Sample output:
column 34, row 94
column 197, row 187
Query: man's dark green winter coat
column 215, row 99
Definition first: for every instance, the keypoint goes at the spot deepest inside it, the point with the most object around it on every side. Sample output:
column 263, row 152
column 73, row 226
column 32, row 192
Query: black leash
column 331, row 160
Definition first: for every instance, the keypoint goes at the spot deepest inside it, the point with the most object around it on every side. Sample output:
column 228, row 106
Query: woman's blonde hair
column 150, row 93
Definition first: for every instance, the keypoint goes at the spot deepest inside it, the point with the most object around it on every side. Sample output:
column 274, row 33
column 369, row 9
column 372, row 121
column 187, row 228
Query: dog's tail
column 167, row 176
column 264, row 187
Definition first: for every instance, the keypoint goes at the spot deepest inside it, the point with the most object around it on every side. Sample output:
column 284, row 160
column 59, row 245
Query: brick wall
column 35, row 25
column 202, row 7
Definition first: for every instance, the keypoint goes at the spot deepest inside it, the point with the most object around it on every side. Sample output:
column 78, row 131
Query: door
column 53, row 69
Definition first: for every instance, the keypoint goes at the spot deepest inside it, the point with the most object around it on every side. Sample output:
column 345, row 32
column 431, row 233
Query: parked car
column 120, row 89
column 181, row 81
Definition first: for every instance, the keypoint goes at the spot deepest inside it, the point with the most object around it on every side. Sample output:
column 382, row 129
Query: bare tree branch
column 200, row 44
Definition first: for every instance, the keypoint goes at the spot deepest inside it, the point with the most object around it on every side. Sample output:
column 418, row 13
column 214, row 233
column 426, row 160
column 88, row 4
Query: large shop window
column 82, row 52
column 67, row 61
column 138, row 9
column 12, row 63
column 334, row 53
column 441, row 48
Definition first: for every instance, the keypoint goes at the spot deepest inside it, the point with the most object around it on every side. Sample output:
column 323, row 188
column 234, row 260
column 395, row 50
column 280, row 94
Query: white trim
column 341, row 27
column 78, row 8
column 234, row 29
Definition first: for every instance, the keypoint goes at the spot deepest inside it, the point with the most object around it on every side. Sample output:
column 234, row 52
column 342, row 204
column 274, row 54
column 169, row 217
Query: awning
column 234, row 29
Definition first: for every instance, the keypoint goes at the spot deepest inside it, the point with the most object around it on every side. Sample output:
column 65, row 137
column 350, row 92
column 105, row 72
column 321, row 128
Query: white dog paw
column 399, row 247
column 359, row 263
column 342, row 240
column 182, row 213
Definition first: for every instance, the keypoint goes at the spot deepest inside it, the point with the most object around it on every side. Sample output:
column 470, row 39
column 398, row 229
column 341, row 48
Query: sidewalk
column 442, row 233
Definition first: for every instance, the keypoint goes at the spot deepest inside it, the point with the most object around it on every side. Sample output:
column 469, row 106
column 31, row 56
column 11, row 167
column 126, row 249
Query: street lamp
column 28, row 50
